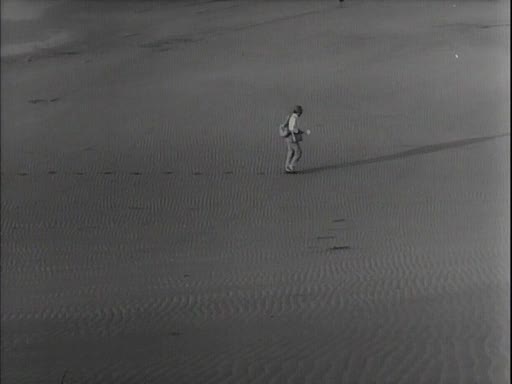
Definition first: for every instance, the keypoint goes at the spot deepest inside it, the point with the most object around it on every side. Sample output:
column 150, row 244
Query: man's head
column 298, row 110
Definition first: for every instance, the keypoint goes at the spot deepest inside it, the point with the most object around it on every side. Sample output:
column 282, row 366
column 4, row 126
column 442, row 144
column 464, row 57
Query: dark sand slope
column 149, row 235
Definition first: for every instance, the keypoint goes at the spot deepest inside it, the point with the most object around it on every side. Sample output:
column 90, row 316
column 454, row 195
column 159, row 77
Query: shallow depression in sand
column 53, row 40
column 19, row 10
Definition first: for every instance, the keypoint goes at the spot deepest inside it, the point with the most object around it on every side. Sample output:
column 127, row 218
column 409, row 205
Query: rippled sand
column 149, row 234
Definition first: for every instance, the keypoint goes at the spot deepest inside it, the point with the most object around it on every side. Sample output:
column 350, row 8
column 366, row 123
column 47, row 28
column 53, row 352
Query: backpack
column 283, row 128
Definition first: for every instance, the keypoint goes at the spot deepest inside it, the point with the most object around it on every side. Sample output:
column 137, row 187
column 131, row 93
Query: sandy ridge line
column 166, row 43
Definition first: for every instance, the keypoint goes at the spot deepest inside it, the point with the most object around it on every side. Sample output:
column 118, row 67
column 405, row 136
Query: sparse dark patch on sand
column 472, row 25
column 186, row 275
column 39, row 101
column 135, row 208
column 163, row 45
column 22, row 174
column 197, row 173
column 46, row 54
column 167, row 172
column 325, row 237
column 78, row 173
column 63, row 53
column 260, row 173
column 108, row 173
column 494, row 26
column 52, row 172
column 175, row 333
column 339, row 248
column 338, row 220
column 135, row 173
column 228, row 172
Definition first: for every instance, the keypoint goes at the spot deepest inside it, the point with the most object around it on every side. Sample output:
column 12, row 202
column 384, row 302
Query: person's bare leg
column 297, row 154
column 289, row 156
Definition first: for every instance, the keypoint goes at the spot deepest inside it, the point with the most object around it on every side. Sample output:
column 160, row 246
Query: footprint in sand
column 336, row 229
column 167, row 44
column 39, row 101
column 339, row 248
column 63, row 53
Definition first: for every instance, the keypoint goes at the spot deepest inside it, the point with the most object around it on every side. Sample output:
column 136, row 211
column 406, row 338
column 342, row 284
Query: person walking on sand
column 293, row 136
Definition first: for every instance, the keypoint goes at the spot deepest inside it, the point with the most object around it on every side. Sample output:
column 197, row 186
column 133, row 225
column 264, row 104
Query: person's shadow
column 411, row 152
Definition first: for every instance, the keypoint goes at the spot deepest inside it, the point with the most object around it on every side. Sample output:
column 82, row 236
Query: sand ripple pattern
column 149, row 234
column 406, row 300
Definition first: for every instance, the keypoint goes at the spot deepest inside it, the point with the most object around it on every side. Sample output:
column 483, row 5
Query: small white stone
column 456, row 56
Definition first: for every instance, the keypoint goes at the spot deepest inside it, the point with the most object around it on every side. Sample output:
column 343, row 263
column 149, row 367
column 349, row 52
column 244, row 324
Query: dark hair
column 297, row 109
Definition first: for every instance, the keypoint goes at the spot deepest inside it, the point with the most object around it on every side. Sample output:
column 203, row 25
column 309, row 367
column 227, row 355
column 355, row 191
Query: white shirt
column 293, row 125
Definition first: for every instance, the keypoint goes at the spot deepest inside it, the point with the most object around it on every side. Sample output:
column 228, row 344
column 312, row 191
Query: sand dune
column 149, row 234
